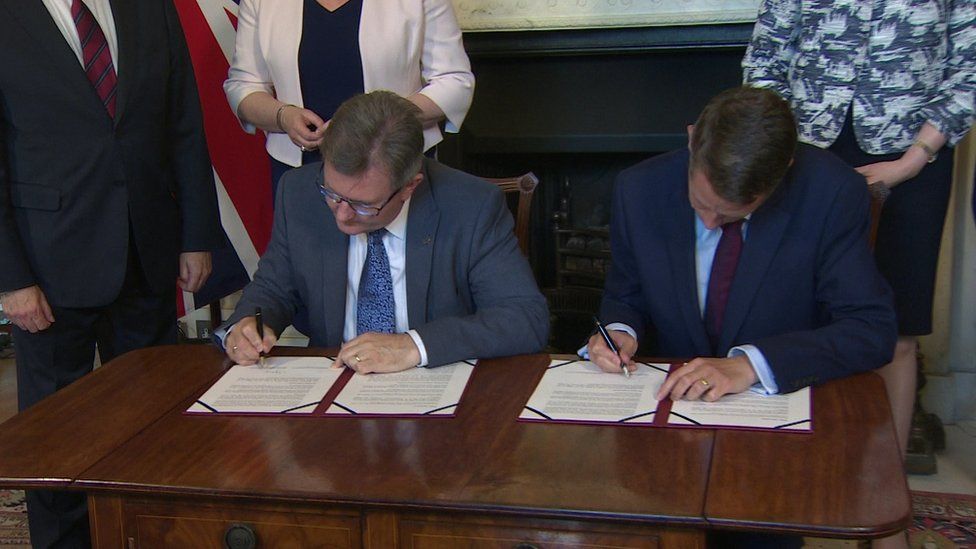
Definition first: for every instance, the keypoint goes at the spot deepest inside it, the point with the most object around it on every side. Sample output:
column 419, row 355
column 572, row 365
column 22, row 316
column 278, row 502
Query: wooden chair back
column 879, row 193
column 524, row 185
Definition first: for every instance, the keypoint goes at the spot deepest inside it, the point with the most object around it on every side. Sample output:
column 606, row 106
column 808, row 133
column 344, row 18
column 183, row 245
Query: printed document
column 578, row 390
column 417, row 391
column 790, row 411
column 286, row 385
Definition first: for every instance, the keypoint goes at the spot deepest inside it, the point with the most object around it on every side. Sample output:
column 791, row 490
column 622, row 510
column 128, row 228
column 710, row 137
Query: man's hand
column 28, row 309
column 195, row 268
column 243, row 345
column 607, row 360
column 709, row 379
column 379, row 353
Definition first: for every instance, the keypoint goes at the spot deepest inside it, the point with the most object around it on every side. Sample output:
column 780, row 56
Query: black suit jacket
column 72, row 178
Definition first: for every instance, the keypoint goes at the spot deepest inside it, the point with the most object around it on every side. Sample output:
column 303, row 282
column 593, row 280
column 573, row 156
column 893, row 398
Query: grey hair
column 376, row 129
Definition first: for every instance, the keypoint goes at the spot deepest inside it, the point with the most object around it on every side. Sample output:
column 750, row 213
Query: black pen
column 260, row 324
column 610, row 343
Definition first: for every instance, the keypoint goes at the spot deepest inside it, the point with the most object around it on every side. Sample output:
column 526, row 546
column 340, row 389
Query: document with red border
column 789, row 412
column 578, row 391
column 311, row 387
column 285, row 385
column 413, row 392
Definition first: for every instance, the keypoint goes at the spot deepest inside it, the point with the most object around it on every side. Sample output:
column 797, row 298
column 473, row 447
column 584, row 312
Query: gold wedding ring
column 703, row 381
column 234, row 348
column 358, row 360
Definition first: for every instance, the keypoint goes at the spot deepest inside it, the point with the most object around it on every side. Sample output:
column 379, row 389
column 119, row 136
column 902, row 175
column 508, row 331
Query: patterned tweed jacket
column 901, row 62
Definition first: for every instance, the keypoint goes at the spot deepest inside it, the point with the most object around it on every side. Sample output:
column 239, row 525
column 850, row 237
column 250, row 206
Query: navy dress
column 330, row 67
column 909, row 232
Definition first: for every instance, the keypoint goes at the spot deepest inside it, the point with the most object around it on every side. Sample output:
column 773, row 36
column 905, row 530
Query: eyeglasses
column 360, row 208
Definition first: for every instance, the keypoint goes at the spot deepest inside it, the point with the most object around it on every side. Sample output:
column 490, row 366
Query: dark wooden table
column 158, row 478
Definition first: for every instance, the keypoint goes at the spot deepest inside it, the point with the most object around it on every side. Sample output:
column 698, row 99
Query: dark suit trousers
column 51, row 359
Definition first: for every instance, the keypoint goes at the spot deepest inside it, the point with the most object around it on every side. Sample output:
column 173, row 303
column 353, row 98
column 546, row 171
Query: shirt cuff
column 420, row 347
column 222, row 333
column 767, row 383
column 584, row 351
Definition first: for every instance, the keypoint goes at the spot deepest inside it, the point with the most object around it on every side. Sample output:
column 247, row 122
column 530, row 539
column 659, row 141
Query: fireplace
column 576, row 107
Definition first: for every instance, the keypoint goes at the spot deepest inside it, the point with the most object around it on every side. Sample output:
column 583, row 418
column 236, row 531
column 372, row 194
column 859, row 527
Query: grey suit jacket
column 470, row 291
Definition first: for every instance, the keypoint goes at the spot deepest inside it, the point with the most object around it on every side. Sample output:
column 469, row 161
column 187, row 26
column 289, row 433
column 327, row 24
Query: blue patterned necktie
column 375, row 308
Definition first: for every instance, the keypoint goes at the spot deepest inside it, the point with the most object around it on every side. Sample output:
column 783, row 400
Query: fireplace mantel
column 631, row 90
column 606, row 40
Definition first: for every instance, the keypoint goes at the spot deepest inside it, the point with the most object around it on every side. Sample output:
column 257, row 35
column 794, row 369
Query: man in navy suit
column 749, row 252
column 403, row 261
column 107, row 197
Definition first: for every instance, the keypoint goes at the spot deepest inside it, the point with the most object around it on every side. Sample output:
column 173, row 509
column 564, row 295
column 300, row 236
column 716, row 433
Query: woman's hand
column 894, row 172
column 304, row 127
column 890, row 174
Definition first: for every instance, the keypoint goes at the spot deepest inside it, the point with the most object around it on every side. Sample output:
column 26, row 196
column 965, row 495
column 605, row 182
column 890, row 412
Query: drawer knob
column 526, row 546
column 240, row 536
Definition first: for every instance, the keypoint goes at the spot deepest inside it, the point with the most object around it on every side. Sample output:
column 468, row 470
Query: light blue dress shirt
column 706, row 243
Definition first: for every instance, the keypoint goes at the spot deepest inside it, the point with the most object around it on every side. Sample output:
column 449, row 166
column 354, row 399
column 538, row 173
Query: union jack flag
column 240, row 163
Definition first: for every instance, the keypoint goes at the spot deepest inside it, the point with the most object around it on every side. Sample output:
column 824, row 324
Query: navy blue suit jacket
column 806, row 291
column 75, row 183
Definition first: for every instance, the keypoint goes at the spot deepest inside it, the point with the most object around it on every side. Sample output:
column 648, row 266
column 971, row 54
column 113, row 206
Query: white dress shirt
column 61, row 13
column 395, row 242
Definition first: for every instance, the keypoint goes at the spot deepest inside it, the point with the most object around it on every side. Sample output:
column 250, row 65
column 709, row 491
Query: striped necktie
column 95, row 55
column 375, row 309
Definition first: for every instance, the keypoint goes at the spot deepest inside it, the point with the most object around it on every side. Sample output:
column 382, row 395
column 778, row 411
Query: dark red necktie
column 95, row 54
column 720, row 281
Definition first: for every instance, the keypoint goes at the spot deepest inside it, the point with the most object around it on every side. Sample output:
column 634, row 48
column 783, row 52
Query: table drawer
column 453, row 534
column 158, row 526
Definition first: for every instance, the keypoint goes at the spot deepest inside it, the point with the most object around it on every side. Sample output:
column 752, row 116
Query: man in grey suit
column 408, row 262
